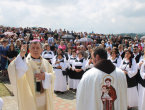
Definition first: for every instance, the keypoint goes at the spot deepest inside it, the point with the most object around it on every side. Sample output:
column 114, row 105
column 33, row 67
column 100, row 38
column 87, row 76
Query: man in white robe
column 103, row 87
column 32, row 79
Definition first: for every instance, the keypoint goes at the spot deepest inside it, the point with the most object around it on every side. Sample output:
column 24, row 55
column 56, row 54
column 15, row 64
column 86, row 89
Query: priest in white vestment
column 103, row 87
column 141, row 99
column 32, row 79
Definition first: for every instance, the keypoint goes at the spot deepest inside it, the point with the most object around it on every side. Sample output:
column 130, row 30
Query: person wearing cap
column 32, row 79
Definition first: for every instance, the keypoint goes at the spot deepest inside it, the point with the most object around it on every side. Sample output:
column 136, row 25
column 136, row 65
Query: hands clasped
column 40, row 76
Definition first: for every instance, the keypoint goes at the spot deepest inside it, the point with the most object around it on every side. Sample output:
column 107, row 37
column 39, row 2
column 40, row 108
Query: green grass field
column 3, row 90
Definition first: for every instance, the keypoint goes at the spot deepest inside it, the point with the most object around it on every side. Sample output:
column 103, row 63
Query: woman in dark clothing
column 55, row 35
column 18, row 46
column 3, row 51
column 11, row 54
column 53, row 48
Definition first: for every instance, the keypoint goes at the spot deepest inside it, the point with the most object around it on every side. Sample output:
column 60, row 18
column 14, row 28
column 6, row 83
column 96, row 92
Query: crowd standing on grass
column 71, row 58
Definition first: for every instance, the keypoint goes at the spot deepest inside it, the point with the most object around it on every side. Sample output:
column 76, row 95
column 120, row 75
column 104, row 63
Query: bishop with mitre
column 32, row 79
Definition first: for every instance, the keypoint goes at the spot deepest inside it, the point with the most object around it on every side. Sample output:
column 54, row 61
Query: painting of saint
column 108, row 95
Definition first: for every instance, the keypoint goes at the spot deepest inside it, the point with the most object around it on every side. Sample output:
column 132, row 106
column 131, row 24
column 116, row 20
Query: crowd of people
column 71, row 58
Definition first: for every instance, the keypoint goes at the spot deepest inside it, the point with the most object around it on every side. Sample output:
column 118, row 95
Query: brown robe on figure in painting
column 109, row 104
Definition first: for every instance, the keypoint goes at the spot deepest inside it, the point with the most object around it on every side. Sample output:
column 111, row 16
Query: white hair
column 88, row 46
column 62, row 42
column 78, row 46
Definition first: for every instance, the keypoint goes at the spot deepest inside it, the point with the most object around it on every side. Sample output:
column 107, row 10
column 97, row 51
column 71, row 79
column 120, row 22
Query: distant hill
column 133, row 34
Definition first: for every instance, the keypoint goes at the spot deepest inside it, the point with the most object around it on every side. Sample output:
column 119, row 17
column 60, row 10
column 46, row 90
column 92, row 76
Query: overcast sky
column 100, row 16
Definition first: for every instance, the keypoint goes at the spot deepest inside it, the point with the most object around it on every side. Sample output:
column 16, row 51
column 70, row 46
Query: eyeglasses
column 135, row 49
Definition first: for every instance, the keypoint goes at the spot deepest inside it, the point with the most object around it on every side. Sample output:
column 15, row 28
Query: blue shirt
column 50, row 40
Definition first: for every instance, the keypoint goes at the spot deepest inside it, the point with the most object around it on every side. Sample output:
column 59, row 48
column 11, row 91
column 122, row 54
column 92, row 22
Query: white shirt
column 142, row 44
column 119, row 60
column 142, row 71
column 83, row 64
column 131, row 71
column 121, row 52
column 109, row 45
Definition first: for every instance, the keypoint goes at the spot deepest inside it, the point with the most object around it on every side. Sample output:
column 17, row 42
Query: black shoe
column 129, row 108
column 56, row 92
column 70, row 88
column 62, row 92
